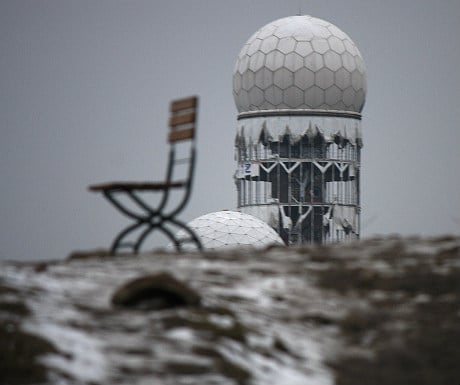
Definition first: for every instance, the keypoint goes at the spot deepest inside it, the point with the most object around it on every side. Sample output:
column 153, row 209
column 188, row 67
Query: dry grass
column 409, row 341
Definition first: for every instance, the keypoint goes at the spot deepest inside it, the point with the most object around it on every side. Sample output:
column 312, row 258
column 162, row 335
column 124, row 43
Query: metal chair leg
column 122, row 234
column 189, row 231
column 152, row 220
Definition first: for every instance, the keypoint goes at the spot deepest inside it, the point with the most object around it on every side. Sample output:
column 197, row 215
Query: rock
column 155, row 292
column 20, row 350
column 97, row 253
column 41, row 267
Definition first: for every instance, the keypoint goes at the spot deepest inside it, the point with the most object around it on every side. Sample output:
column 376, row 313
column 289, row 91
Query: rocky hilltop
column 379, row 311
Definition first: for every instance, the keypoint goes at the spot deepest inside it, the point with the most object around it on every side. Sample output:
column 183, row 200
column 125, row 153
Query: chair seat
column 129, row 186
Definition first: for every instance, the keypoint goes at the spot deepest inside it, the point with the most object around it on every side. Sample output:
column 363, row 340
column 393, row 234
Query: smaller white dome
column 230, row 229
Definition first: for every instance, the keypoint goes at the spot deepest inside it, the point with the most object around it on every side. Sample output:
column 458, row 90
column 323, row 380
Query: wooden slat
column 183, row 104
column 176, row 120
column 175, row 136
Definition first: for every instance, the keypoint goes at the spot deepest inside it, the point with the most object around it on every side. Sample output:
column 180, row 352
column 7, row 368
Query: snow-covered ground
column 276, row 316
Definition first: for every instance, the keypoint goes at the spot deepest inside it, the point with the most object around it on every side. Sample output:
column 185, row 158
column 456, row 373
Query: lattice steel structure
column 299, row 85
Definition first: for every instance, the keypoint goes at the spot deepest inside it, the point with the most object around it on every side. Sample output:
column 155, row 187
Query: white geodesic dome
column 299, row 62
column 230, row 229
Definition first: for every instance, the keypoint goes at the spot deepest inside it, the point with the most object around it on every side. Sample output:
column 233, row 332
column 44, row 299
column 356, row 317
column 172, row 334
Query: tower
column 299, row 85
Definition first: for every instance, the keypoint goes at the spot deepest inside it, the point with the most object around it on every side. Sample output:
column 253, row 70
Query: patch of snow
column 183, row 334
column 84, row 357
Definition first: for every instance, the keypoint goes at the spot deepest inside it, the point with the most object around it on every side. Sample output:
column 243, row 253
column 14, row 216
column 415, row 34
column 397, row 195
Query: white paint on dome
column 299, row 62
column 231, row 229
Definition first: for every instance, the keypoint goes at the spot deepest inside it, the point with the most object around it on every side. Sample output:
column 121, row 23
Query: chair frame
column 182, row 125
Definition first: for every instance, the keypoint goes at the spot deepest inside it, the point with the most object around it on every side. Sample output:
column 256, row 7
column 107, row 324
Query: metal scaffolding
column 305, row 186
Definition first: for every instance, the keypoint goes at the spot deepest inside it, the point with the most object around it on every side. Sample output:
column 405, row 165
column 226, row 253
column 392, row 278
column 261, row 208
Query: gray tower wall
column 300, row 173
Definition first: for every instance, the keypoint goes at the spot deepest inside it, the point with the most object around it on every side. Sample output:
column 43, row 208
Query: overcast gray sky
column 85, row 87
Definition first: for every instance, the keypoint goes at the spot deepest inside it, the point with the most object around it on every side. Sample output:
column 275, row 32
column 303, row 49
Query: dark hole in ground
column 155, row 292
column 156, row 299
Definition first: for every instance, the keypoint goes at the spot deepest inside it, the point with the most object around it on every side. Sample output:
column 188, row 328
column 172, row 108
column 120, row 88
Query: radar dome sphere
column 230, row 229
column 299, row 62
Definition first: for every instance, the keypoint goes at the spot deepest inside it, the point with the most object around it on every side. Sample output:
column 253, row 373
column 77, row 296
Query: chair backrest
column 183, row 119
column 182, row 124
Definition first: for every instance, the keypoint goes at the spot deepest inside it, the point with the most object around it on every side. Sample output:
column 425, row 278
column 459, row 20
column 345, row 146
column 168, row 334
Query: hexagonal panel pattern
column 231, row 229
column 299, row 62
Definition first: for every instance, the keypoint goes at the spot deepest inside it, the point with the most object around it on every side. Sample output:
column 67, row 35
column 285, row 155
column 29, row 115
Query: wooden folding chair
column 182, row 125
